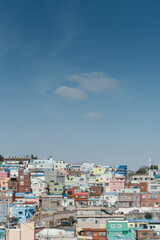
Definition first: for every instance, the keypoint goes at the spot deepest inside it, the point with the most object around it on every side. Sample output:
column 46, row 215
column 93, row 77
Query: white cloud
column 93, row 115
column 70, row 93
column 94, row 81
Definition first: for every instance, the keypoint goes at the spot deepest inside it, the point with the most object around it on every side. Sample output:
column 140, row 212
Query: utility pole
column 48, row 223
column 8, row 221
column 149, row 164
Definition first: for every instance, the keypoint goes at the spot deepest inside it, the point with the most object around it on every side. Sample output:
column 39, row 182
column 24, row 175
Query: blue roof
column 93, row 199
column 138, row 220
column 38, row 175
column 155, row 221
column 111, row 193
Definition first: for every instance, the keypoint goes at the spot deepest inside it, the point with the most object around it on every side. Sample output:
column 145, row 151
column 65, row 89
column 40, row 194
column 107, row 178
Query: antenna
column 149, row 164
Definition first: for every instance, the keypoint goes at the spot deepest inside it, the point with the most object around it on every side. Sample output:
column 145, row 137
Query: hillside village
column 48, row 199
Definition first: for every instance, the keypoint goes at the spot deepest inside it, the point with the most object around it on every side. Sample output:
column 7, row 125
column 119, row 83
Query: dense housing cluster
column 48, row 199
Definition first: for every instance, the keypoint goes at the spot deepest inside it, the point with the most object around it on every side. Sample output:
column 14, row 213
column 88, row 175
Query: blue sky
column 80, row 80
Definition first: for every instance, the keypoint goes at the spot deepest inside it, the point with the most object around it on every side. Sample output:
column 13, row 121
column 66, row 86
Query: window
column 97, row 212
column 21, row 177
column 20, row 213
column 21, row 183
column 83, row 196
column 153, row 196
column 69, row 192
column 119, row 225
column 126, row 204
column 101, row 234
column 124, row 197
column 135, row 197
column 83, row 219
column 112, row 225
column 144, row 234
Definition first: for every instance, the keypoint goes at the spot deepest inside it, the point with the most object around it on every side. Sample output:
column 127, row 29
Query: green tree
column 154, row 167
column 141, row 171
column 148, row 215
column 33, row 157
column 1, row 159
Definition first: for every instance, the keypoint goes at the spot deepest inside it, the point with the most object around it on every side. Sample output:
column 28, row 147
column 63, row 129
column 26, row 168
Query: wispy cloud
column 93, row 115
column 70, row 93
column 94, row 82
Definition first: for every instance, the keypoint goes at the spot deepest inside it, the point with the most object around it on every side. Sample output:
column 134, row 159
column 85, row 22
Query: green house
column 157, row 179
column 69, row 180
column 56, row 188
column 119, row 230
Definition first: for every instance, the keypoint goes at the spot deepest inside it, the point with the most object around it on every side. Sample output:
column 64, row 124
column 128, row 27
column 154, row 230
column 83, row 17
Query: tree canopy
column 1, row 158
column 141, row 171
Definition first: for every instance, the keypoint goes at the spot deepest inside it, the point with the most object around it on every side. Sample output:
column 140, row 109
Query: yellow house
column 99, row 170
column 134, row 223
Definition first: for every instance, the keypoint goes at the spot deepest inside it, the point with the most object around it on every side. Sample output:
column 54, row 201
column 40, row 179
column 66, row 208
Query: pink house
column 27, row 198
column 116, row 183
column 3, row 176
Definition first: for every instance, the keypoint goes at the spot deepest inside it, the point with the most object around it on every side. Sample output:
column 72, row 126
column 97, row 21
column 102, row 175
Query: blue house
column 23, row 212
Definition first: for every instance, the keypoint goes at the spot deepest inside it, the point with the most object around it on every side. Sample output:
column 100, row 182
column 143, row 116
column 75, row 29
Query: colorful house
column 99, row 170
column 56, row 188
column 116, row 183
column 118, row 230
column 69, row 180
column 23, row 212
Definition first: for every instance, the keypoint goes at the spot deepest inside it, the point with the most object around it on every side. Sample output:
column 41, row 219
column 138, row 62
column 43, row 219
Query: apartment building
column 3, row 175
column 91, row 233
column 142, row 234
column 141, row 185
column 137, row 178
column 60, row 165
column 7, row 197
column 94, row 217
column 25, row 232
column 44, row 164
column 87, row 166
column 149, row 199
column 38, row 187
column 51, row 201
column 56, row 188
column 116, row 183
column 24, row 181
column 109, row 199
column 118, row 230
column 99, row 170
column 128, row 197
column 152, row 187
column 55, row 176
column 81, row 198
column 96, row 191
